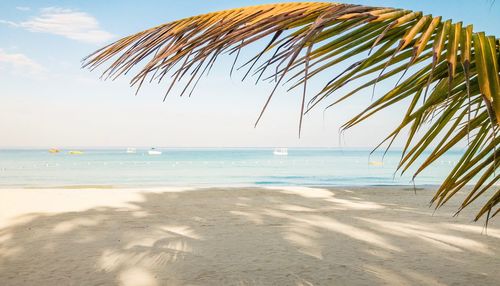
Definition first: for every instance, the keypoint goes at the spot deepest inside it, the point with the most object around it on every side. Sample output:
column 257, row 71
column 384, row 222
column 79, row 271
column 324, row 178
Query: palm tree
column 448, row 73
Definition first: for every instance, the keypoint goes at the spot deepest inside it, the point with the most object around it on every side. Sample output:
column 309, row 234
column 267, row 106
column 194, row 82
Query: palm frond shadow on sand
column 280, row 236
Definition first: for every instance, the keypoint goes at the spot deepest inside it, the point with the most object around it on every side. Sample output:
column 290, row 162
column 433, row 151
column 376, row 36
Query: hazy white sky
column 46, row 100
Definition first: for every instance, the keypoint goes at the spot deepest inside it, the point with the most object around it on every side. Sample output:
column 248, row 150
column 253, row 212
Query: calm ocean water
column 335, row 167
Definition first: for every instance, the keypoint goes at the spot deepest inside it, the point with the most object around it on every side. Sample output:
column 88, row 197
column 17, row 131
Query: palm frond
column 448, row 73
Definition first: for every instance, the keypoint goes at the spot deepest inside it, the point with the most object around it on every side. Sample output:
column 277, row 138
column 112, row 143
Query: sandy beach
column 241, row 236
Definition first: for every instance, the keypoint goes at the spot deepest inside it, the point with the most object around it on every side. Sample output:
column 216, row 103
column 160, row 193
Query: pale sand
column 241, row 236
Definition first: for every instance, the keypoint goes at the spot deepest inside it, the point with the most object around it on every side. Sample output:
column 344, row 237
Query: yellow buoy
column 376, row 163
column 75, row 152
column 54, row 150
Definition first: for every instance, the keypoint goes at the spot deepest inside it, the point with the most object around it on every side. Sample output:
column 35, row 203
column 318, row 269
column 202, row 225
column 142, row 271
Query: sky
column 47, row 100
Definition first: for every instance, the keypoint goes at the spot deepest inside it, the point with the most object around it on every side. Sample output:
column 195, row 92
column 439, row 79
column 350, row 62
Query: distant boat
column 153, row 151
column 131, row 150
column 280, row 151
column 75, row 152
column 54, row 150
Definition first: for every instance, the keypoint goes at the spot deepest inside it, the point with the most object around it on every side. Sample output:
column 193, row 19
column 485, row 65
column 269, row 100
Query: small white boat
column 280, row 151
column 131, row 150
column 153, row 151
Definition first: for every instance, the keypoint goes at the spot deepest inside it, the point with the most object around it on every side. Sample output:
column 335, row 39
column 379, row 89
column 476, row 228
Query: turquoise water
column 335, row 167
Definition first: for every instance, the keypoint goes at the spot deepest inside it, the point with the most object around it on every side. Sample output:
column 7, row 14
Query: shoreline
column 275, row 235
column 226, row 185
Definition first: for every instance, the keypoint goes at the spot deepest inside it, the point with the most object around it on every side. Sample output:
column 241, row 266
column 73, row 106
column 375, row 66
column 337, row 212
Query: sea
column 213, row 167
